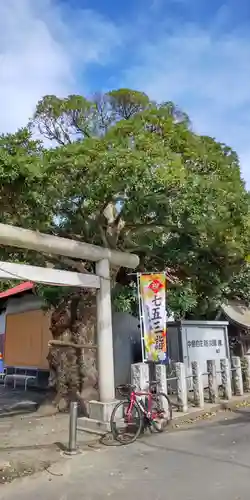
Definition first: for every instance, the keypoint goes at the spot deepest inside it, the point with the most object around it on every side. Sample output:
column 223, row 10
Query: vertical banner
column 152, row 300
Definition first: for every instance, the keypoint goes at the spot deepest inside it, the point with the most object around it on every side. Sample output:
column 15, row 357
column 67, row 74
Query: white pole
column 104, row 334
column 141, row 318
column 33, row 240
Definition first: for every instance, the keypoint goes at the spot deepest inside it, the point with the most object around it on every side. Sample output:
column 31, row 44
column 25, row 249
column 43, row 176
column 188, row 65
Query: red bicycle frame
column 146, row 411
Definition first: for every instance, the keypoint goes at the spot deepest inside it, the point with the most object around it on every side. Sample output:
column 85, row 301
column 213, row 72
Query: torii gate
column 32, row 240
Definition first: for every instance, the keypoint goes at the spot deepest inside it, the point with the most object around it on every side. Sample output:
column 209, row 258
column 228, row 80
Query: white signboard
column 202, row 344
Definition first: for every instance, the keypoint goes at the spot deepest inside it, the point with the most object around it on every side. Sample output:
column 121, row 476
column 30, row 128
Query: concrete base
column 93, row 426
column 99, row 417
column 73, row 453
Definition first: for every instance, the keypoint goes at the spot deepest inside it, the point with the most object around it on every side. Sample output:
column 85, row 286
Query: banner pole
column 141, row 317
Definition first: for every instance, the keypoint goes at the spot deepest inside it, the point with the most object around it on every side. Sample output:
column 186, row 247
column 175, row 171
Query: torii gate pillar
column 104, row 334
column 100, row 411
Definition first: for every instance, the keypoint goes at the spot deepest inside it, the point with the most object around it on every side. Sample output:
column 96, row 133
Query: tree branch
column 67, row 234
column 149, row 226
column 77, row 265
column 103, row 235
column 61, row 343
column 83, row 130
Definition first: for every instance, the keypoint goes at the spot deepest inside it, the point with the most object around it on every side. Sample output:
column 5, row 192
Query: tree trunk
column 73, row 372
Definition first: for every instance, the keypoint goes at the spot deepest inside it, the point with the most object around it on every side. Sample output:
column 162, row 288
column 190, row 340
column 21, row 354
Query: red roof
column 23, row 287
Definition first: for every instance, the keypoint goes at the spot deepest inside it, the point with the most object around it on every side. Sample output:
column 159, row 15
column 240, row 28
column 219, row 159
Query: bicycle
column 139, row 415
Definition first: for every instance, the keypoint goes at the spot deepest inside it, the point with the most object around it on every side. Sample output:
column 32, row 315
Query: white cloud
column 44, row 49
column 208, row 75
column 47, row 48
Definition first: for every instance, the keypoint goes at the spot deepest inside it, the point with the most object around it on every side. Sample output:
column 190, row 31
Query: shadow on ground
column 235, row 417
column 17, row 401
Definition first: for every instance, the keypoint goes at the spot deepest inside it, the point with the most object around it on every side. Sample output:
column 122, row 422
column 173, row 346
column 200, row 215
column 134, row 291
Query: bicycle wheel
column 162, row 412
column 126, row 426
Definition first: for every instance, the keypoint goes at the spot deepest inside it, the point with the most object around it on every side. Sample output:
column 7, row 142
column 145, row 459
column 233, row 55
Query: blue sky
column 194, row 52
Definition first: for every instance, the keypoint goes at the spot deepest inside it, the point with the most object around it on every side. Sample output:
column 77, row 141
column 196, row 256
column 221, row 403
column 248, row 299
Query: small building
column 25, row 328
column 238, row 315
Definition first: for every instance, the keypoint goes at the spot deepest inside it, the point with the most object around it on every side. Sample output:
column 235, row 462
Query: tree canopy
column 128, row 173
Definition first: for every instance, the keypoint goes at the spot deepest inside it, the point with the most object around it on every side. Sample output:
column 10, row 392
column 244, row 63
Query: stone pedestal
column 99, row 417
column 161, row 375
column 181, row 387
column 197, row 385
column 212, row 381
column 226, row 379
column 140, row 376
column 246, row 364
column 237, row 376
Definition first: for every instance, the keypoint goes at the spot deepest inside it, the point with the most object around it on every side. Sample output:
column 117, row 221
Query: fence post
column 161, row 375
column 181, row 387
column 197, row 385
column 226, row 378
column 140, row 375
column 212, row 381
column 237, row 376
column 246, row 373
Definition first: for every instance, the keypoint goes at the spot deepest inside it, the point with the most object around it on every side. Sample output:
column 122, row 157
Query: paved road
column 207, row 460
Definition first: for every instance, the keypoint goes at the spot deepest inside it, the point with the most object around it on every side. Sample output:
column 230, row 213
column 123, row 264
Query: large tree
column 129, row 174
column 23, row 180
column 150, row 185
